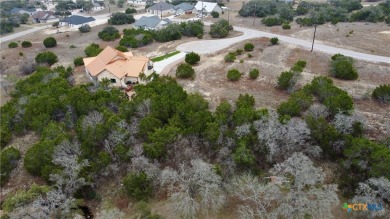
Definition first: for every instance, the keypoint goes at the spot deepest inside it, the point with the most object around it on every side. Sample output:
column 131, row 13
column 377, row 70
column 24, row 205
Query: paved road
column 166, row 63
column 16, row 35
column 212, row 46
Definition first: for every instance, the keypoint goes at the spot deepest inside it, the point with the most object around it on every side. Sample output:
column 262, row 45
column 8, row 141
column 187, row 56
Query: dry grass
column 212, row 84
column 20, row 178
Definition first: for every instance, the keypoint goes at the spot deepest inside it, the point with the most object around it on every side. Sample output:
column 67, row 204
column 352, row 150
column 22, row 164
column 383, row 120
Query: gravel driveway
column 212, row 46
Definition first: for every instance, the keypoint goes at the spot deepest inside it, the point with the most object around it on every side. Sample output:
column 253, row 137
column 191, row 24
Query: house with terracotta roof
column 121, row 68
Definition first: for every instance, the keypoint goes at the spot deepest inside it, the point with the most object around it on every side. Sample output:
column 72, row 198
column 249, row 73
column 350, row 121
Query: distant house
column 207, row 7
column 161, row 8
column 151, row 23
column 44, row 17
column 121, row 68
column 76, row 21
column 29, row 11
column 184, row 8
column 137, row 2
column 97, row 6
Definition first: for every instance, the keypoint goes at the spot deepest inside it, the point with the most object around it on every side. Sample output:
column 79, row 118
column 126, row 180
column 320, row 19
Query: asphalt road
column 23, row 33
column 212, row 46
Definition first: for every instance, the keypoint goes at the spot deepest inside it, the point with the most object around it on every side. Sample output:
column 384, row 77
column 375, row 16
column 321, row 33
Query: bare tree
column 67, row 155
column 112, row 213
column 243, row 130
column 344, row 123
column 27, row 67
column 193, row 188
column 296, row 190
column 258, row 198
column 92, row 119
column 54, row 205
column 144, row 108
column 317, row 110
column 373, row 191
column 282, row 140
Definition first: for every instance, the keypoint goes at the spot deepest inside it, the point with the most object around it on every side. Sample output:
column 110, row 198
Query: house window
column 113, row 80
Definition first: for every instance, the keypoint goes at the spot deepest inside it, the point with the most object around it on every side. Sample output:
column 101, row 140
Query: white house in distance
column 151, row 23
column 207, row 7
column 121, row 68
column 184, row 8
column 29, row 11
column 161, row 8
column 137, row 2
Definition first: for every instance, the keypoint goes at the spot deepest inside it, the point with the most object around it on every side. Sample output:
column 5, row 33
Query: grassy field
column 160, row 58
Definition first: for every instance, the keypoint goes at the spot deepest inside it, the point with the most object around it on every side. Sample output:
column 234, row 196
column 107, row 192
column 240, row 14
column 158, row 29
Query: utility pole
column 314, row 36
column 254, row 14
column 161, row 11
column 201, row 15
column 228, row 14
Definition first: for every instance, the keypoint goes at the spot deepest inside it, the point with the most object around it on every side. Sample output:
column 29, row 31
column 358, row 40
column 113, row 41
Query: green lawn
column 157, row 59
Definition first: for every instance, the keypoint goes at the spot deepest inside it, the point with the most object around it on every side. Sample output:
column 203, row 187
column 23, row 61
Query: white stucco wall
column 109, row 76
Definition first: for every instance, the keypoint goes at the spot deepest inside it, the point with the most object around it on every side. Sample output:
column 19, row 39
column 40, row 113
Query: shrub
column 109, row 33
column 26, row 44
column 369, row 14
column 215, row 14
column 9, row 159
column 238, row 52
column 254, row 73
column 120, row 18
column 21, row 54
column 92, row 50
column 72, row 46
column 50, row 42
column 138, row 186
column 56, row 24
column 286, row 26
column 169, row 33
column 272, row 21
column 185, row 70
column 230, row 57
column 296, row 104
column 85, row 28
column 27, row 67
column 122, row 48
column 12, row 45
column 233, row 75
column 46, row 57
column 285, row 80
column 200, row 36
column 387, row 20
column 22, row 197
column 301, row 63
column 274, row 40
column 130, row 11
column 341, row 102
column 78, row 61
column 299, row 66
column 342, row 67
column 249, row 47
column 382, row 93
column 220, row 29
column 192, row 58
